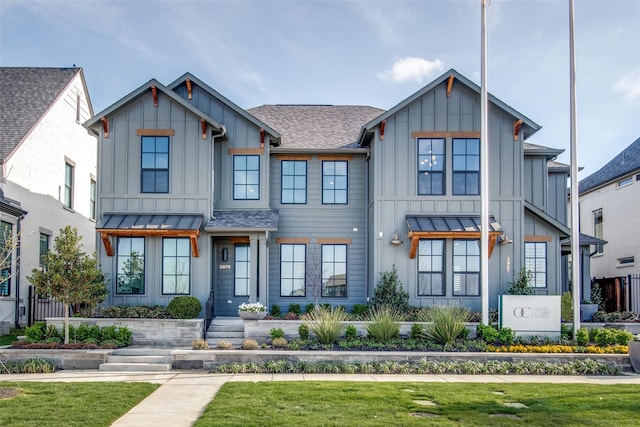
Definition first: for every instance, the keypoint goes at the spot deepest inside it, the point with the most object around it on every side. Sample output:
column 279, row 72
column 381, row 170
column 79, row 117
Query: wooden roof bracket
column 107, row 243
column 383, row 124
column 189, row 91
column 203, row 125
column 105, row 126
column 194, row 245
column 517, row 125
column 415, row 239
column 154, row 92
column 450, row 85
column 261, row 138
column 105, row 234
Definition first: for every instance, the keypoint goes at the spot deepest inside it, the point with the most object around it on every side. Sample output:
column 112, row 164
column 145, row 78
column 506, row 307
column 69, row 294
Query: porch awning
column 243, row 221
column 149, row 225
column 449, row 227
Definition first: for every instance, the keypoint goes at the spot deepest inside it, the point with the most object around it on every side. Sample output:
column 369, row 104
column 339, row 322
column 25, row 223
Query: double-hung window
column 246, row 177
column 294, row 181
column 431, row 166
column 242, row 264
column 466, row 166
column 68, row 185
column 155, row 164
column 130, row 268
column 6, row 254
column 535, row 261
column 431, row 267
column 44, row 249
column 176, row 257
column 293, row 258
column 334, row 270
column 598, row 220
column 466, row 268
column 335, row 182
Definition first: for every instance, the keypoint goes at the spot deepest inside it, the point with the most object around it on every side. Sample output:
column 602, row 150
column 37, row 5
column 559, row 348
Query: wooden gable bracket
column 203, row 124
column 450, row 85
column 193, row 238
column 154, row 92
column 261, row 138
column 383, row 124
column 107, row 243
column 189, row 92
column 416, row 236
column 517, row 125
column 105, row 126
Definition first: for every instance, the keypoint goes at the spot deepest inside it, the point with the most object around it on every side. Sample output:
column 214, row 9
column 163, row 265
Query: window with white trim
column 598, row 232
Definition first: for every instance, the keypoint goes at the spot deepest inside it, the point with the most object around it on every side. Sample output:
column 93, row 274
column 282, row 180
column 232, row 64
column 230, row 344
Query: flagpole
column 575, row 224
column 484, row 171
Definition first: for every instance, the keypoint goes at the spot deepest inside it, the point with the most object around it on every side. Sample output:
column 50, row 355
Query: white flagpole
column 575, row 224
column 484, row 173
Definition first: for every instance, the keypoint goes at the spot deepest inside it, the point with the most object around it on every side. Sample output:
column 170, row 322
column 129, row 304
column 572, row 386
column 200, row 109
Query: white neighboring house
column 48, row 170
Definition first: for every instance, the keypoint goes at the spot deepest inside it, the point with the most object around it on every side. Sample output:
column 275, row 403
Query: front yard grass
column 70, row 404
column 13, row 336
column 412, row 404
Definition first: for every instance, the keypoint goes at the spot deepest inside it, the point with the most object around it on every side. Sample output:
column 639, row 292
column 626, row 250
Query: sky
column 373, row 53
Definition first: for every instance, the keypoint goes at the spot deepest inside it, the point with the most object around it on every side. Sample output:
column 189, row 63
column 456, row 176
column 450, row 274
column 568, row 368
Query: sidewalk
column 183, row 395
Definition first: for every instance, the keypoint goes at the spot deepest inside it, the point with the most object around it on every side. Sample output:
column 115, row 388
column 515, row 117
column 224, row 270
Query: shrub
column 417, row 331
column 447, row 323
column 275, row 310
column 488, row 333
column 384, row 323
column 303, row 332
column 291, row 316
column 360, row 310
column 276, row 333
column 294, row 308
column 351, row 333
column 135, row 312
column 185, row 307
column 309, row 307
column 249, row 344
column 83, row 333
column 582, row 337
column 521, row 284
column 389, row 292
column 280, row 342
column 35, row 332
column 200, row 344
column 609, row 336
column 325, row 323
column 566, row 307
column 224, row 345
column 506, row 336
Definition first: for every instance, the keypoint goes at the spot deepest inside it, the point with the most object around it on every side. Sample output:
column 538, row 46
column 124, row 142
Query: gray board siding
column 557, row 198
column 314, row 220
column 535, row 172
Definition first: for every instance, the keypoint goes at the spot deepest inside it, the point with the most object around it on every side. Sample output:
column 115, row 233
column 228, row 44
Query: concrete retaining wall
column 63, row 359
column 152, row 332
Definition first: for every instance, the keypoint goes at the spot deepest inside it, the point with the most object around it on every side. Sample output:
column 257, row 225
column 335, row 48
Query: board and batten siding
column 314, row 220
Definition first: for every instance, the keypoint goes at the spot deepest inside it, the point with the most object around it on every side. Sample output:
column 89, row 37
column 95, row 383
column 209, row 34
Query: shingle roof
column 237, row 220
column 25, row 95
column 626, row 162
column 316, row 126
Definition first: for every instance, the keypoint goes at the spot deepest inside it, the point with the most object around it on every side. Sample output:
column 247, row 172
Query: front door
column 231, row 269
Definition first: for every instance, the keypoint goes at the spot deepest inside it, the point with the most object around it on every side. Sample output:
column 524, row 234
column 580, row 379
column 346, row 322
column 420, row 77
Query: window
column 155, row 164
column 242, row 270
column 246, row 177
column 625, row 182
column 535, row 261
column 334, row 270
column 598, row 220
column 431, row 268
column 130, row 269
column 6, row 256
column 176, row 259
column 44, row 249
column 626, row 261
column 292, row 270
column 431, row 153
column 466, row 166
column 466, row 267
column 334, row 182
column 294, row 181
column 92, row 199
column 68, row 186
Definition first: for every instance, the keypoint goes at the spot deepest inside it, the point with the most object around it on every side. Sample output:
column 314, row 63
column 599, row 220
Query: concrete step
column 236, row 342
column 225, row 334
column 135, row 367
column 226, row 328
column 142, row 351
column 139, row 359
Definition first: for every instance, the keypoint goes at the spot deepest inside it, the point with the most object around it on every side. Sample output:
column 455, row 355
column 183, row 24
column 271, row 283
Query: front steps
column 138, row 359
column 230, row 329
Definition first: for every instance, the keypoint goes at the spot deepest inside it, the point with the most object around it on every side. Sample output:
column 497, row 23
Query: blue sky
column 352, row 53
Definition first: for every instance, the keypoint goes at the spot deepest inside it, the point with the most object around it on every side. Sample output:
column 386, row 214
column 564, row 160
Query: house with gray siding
column 288, row 204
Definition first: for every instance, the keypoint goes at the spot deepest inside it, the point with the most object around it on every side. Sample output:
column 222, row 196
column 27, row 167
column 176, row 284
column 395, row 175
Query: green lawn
column 409, row 404
column 70, row 404
column 13, row 336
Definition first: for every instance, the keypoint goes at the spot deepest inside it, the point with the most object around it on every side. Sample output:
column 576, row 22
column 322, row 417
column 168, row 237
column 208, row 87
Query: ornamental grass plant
column 326, row 323
column 384, row 323
column 445, row 323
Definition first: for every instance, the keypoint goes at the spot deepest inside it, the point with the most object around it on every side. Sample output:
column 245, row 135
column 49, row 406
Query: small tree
column 71, row 276
column 522, row 283
column 389, row 292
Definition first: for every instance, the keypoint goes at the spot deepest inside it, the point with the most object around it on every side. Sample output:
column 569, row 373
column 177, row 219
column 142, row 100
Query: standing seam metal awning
column 449, row 227
column 132, row 225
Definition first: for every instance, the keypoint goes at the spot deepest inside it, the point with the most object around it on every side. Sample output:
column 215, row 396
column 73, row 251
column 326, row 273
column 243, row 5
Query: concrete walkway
column 183, row 395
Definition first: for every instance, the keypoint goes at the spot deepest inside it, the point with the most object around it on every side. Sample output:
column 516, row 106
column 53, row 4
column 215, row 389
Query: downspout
column 221, row 134
column 366, row 226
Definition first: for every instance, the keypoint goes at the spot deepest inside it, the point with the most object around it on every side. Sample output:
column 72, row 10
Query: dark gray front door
column 231, row 268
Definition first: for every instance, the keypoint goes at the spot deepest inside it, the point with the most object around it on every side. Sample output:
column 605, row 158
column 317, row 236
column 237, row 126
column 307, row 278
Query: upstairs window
column 431, row 161
column 334, row 182
column 155, row 164
column 334, row 270
column 466, row 166
column 294, row 182
column 130, row 268
column 598, row 232
column 246, row 177
column 68, row 185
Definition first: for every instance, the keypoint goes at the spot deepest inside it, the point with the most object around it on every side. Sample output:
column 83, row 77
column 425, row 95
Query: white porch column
column 263, row 271
column 253, row 275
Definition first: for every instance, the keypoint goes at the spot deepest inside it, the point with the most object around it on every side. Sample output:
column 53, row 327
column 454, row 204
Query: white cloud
column 411, row 69
column 629, row 85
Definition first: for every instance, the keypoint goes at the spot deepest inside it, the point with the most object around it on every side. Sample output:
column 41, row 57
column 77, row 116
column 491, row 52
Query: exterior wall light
column 395, row 241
